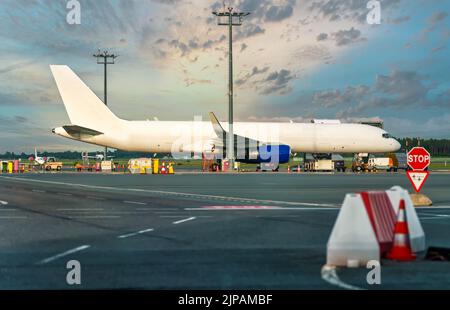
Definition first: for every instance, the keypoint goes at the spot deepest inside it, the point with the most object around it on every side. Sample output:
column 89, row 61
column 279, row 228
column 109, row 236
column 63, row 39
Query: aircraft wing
column 222, row 133
column 247, row 149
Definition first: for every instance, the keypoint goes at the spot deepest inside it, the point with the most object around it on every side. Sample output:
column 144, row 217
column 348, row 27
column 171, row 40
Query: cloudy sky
column 294, row 59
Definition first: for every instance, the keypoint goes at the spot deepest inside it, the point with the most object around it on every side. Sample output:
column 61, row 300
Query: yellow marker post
column 9, row 168
column 155, row 165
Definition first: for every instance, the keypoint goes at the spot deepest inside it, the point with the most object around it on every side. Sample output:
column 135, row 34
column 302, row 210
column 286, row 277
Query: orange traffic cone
column 298, row 169
column 401, row 249
column 289, row 169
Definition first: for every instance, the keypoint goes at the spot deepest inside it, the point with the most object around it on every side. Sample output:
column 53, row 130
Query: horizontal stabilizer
column 78, row 131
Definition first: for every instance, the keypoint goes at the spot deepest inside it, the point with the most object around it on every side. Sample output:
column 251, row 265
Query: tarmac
column 197, row 231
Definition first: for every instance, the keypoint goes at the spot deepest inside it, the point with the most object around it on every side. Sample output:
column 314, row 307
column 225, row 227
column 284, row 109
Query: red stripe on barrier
column 382, row 217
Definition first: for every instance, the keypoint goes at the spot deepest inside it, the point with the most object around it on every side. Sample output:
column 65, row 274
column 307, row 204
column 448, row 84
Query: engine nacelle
column 268, row 153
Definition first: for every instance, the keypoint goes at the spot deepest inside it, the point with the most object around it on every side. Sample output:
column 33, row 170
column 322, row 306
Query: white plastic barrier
column 352, row 238
column 416, row 233
column 363, row 226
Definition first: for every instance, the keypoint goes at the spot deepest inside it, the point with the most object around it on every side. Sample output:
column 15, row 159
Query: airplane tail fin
column 84, row 108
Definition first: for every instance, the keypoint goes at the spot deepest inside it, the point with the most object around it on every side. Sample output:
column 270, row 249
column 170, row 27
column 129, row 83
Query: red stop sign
column 418, row 158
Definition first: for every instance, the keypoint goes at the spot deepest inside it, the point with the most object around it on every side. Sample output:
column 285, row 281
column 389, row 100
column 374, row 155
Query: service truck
column 381, row 163
column 53, row 164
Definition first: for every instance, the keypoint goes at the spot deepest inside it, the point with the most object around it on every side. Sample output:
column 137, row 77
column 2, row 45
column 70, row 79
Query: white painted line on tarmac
column 65, row 194
column 329, row 275
column 195, row 196
column 431, row 218
column 178, row 216
column 37, row 191
column 261, row 209
column 135, row 202
column 136, row 233
column 433, row 214
column 95, row 217
column 3, row 203
column 160, row 210
column 278, row 216
column 184, row 220
column 116, row 212
column 82, row 209
column 13, row 217
column 432, row 207
column 57, row 256
column 95, row 198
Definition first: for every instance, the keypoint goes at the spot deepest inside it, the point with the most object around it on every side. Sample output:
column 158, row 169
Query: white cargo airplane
column 39, row 159
column 92, row 122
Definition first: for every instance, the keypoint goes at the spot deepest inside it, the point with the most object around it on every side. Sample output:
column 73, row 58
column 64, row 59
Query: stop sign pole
column 418, row 160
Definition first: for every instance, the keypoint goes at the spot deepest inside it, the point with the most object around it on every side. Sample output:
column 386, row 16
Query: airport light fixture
column 230, row 18
column 105, row 58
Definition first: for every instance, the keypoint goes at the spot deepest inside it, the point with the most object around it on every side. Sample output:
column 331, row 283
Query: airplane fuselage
column 180, row 136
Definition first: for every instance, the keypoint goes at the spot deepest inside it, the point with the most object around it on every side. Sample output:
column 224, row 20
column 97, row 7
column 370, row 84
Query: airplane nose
column 395, row 145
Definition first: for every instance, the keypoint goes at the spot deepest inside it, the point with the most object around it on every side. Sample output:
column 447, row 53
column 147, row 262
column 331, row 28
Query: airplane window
column 387, row 136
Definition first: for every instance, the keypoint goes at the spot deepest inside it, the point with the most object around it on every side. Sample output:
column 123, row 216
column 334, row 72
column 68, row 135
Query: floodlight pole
column 230, row 23
column 105, row 58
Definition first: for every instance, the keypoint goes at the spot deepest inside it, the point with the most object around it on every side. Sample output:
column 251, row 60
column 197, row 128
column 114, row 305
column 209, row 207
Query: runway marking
column 3, row 203
column 278, row 216
column 329, row 275
column 38, row 191
column 13, row 217
column 57, row 256
column 7, row 210
column 135, row 234
column 432, row 207
column 95, row 198
column 432, row 214
column 184, row 220
column 160, row 210
column 182, row 215
column 432, row 218
column 135, row 202
column 202, row 196
column 95, row 217
column 116, row 212
column 224, row 208
column 240, row 207
column 81, row 209
column 65, row 194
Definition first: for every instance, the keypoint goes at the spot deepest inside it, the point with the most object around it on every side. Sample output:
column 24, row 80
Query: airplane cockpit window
column 387, row 136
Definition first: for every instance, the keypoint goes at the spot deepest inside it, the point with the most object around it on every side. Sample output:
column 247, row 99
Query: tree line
column 436, row 147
